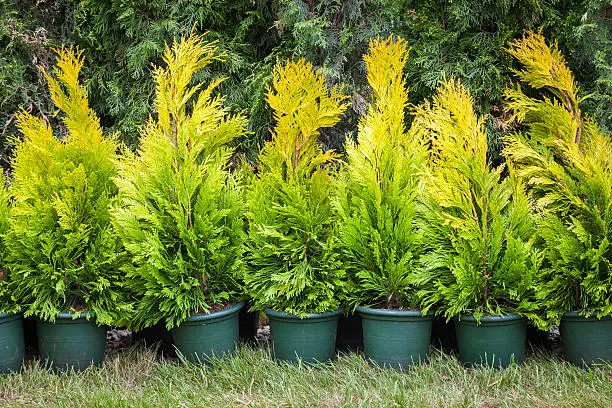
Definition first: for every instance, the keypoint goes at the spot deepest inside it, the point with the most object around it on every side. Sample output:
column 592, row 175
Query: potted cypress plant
column 181, row 214
column 377, row 206
column 564, row 158
column 295, row 272
column 62, row 253
column 477, row 230
column 11, row 318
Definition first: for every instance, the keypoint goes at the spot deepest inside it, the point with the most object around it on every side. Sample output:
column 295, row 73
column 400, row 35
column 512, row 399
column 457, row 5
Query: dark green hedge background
column 121, row 40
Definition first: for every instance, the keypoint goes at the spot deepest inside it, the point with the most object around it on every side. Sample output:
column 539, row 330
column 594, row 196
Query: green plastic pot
column 11, row 342
column 311, row 339
column 395, row 338
column 586, row 340
column 203, row 337
column 497, row 341
column 71, row 344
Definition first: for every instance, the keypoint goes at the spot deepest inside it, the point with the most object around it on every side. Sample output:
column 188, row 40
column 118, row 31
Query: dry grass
column 136, row 377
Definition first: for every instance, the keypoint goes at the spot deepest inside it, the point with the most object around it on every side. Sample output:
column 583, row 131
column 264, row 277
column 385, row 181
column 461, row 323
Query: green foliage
column 466, row 39
column 463, row 38
column 62, row 253
column 22, row 84
column 293, row 261
column 125, row 39
column 584, row 31
column 476, row 226
column 5, row 210
column 565, row 160
column 377, row 197
column 334, row 35
column 180, row 214
column 122, row 40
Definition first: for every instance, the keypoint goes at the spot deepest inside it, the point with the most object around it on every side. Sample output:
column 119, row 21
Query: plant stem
column 577, row 300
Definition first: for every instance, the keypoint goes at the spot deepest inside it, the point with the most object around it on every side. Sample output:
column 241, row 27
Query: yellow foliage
column 302, row 105
column 458, row 141
column 385, row 63
column 477, row 227
column 545, row 67
column 80, row 120
column 181, row 212
column 62, row 248
column 567, row 163
column 40, row 155
column 293, row 264
column 173, row 92
column 376, row 199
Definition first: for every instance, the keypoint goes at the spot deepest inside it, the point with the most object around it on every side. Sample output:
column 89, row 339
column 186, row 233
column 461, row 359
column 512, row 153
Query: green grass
column 136, row 377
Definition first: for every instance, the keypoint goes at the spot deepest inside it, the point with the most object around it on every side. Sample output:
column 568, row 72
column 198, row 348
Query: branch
column 575, row 116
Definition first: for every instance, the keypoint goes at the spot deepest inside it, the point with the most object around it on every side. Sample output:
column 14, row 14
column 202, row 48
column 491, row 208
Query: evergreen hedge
column 122, row 40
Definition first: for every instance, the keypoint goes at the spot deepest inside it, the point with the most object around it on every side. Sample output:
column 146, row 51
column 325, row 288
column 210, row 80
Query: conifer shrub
column 180, row 213
column 6, row 305
column 477, row 225
column 377, row 195
column 566, row 161
column 61, row 251
column 294, row 264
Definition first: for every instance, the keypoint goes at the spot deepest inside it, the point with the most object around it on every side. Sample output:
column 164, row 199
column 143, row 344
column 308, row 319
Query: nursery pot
column 203, row 337
column 395, row 338
column 311, row 339
column 497, row 341
column 586, row 340
column 71, row 344
column 11, row 342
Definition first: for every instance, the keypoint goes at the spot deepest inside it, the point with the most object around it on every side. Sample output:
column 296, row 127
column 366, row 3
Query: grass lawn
column 137, row 377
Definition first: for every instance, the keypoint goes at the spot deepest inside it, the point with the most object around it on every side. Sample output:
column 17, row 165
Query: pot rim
column 578, row 315
column 8, row 315
column 394, row 312
column 284, row 315
column 71, row 316
column 215, row 315
column 497, row 318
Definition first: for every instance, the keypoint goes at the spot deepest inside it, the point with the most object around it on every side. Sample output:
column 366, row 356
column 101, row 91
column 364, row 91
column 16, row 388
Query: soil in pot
column 311, row 339
column 586, row 340
column 71, row 344
column 396, row 338
column 497, row 341
column 11, row 342
column 202, row 337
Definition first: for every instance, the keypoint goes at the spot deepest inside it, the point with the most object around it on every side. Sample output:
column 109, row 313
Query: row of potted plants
column 416, row 222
